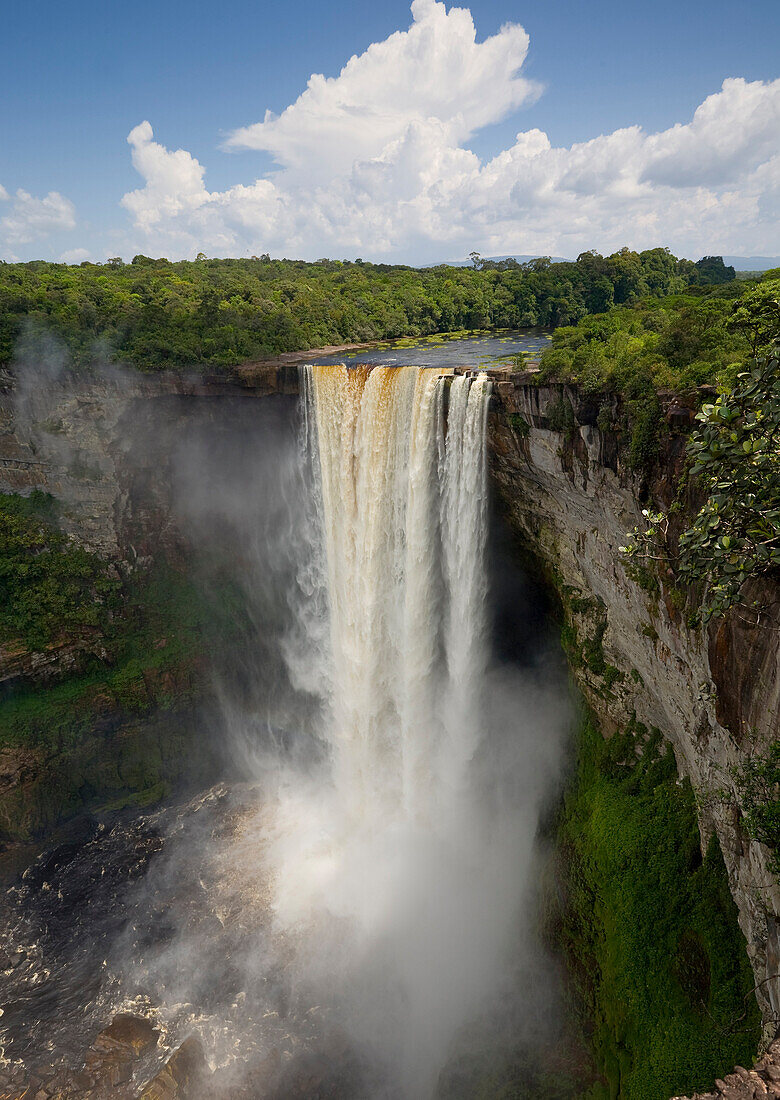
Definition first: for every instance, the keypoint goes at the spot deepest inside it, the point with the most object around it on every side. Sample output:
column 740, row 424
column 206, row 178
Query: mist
column 355, row 905
column 374, row 922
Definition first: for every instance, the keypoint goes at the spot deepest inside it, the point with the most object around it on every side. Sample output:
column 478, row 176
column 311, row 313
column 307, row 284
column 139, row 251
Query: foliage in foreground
column 161, row 315
column 735, row 456
column 650, row 928
column 736, row 534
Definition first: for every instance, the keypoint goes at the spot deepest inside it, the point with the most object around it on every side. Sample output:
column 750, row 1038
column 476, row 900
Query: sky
column 396, row 133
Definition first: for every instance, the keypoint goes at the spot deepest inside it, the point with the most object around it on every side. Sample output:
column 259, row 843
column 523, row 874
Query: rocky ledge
column 112, row 1068
column 126, row 1062
column 763, row 1080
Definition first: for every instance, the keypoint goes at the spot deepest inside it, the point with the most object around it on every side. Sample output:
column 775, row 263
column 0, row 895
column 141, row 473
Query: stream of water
column 474, row 349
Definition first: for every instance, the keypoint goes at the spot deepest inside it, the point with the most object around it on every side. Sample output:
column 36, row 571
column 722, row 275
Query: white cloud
column 174, row 181
column 436, row 70
column 31, row 218
column 74, row 256
column 731, row 133
column 374, row 161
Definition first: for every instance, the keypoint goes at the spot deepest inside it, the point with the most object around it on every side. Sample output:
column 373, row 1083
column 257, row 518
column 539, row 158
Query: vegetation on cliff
column 150, row 648
column 678, row 343
column 757, row 783
column 649, row 926
column 735, row 536
column 108, row 730
column 734, row 462
column 49, row 587
column 220, row 313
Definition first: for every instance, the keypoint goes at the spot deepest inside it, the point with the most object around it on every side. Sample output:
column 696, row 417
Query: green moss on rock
column 136, row 763
column 649, row 927
column 127, row 730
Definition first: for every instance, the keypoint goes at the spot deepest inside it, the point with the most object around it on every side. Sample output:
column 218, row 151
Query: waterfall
column 401, row 858
column 404, row 515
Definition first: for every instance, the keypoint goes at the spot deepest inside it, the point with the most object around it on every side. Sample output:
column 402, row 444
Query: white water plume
column 361, row 889
column 401, row 878
column 404, row 515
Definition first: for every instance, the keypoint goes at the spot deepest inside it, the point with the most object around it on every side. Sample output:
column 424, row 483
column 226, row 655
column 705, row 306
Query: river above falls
column 480, row 348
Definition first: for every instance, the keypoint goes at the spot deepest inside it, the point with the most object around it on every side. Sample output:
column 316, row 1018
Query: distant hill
column 508, row 256
column 752, row 263
column 741, row 263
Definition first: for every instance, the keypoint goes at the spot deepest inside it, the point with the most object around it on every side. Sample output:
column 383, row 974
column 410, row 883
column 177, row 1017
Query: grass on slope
column 650, row 928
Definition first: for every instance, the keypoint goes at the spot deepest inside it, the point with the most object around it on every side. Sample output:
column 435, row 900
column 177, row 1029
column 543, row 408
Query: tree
column 711, row 269
column 601, row 295
column 626, row 273
column 736, row 455
column 736, row 452
column 757, row 314
column 659, row 267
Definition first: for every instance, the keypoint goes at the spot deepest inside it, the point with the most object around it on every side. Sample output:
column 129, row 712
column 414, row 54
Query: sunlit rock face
column 713, row 694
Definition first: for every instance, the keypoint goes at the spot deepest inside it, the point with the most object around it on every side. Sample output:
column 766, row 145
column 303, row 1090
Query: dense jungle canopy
column 218, row 313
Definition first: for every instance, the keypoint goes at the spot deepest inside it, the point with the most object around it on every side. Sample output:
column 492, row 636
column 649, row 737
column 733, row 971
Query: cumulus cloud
column 74, row 256
column 375, row 161
column 435, row 70
column 174, row 181
column 731, row 134
column 30, row 218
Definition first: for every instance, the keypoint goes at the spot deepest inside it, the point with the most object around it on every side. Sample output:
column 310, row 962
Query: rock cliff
column 103, row 447
column 101, row 444
column 569, row 494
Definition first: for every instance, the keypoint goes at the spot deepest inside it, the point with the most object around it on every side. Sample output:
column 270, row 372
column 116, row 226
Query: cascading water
column 400, row 877
column 362, row 901
column 403, row 510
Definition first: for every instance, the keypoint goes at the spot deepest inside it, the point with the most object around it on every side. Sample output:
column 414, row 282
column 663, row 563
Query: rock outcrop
column 115, row 1067
column 185, row 1074
column 572, row 499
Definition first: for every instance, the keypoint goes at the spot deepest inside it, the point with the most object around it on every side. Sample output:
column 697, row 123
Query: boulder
column 183, row 1077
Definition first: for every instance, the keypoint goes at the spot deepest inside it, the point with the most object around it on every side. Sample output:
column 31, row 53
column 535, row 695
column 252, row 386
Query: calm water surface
column 476, row 348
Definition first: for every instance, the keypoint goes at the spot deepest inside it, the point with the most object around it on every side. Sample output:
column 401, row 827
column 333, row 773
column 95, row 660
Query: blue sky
column 76, row 79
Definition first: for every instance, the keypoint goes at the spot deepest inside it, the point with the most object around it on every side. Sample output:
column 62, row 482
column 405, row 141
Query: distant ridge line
column 741, row 263
column 495, row 259
column 752, row 263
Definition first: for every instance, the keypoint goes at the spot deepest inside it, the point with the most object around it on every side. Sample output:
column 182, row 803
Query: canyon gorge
column 160, row 472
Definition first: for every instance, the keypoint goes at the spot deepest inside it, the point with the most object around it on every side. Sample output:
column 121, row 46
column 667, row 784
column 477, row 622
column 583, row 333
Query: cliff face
column 712, row 694
column 104, row 448
column 102, row 445
column 81, row 730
